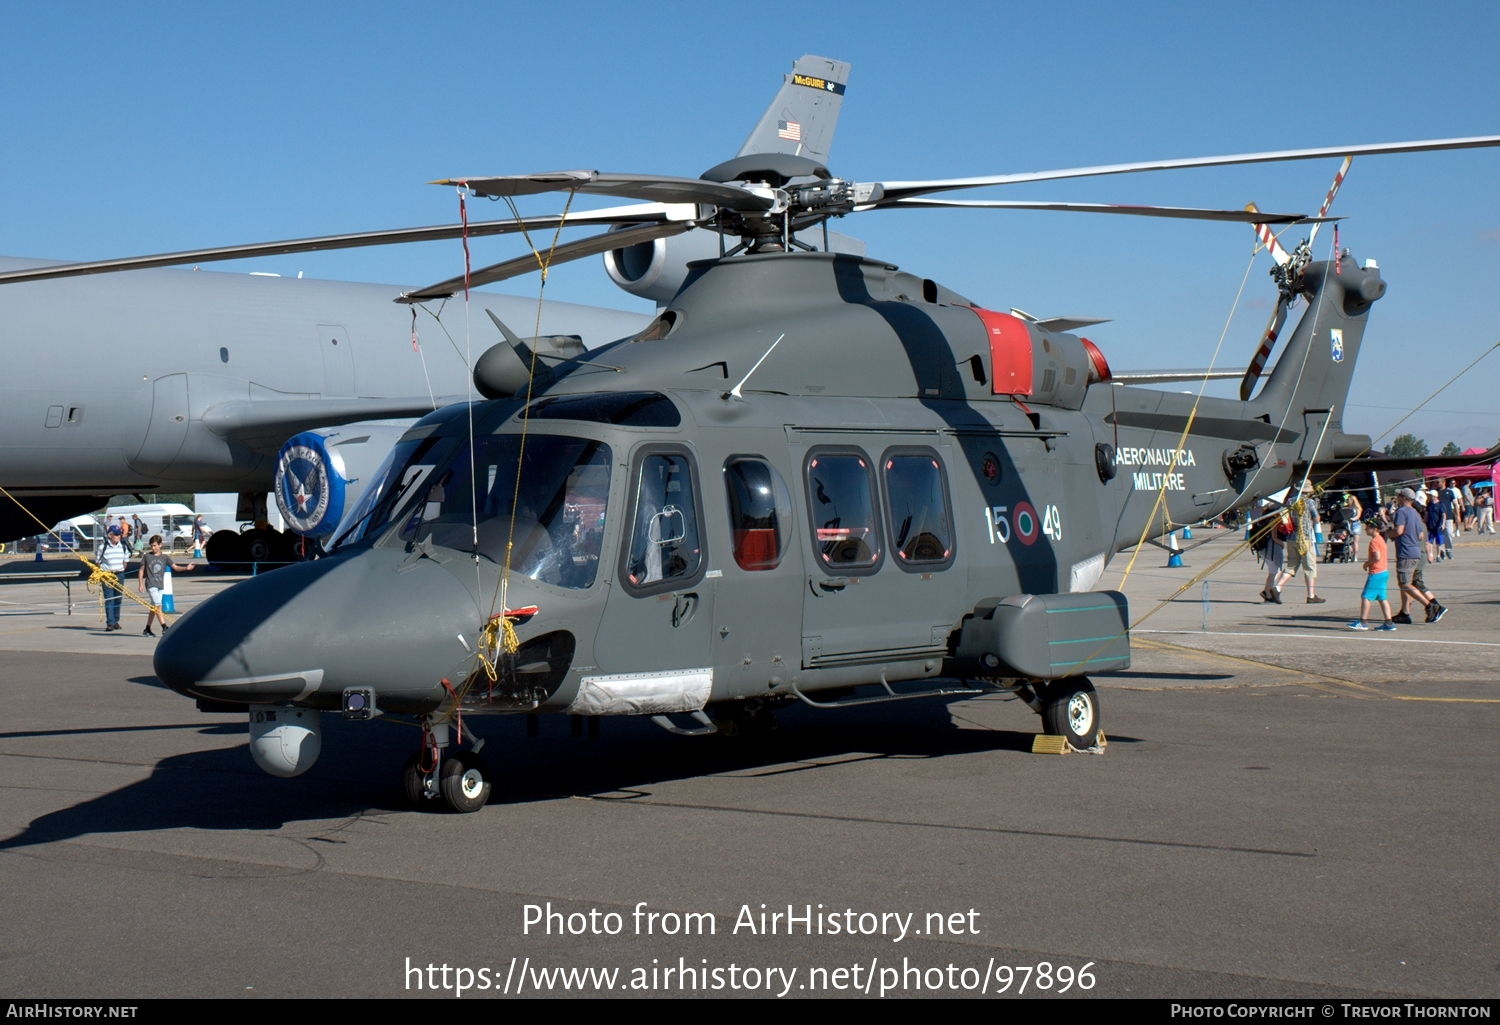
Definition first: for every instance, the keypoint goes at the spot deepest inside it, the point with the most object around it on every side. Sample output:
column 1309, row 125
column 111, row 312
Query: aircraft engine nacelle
column 285, row 741
column 1041, row 366
column 655, row 270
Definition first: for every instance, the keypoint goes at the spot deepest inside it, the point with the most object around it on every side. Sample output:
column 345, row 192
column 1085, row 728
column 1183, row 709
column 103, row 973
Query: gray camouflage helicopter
column 811, row 472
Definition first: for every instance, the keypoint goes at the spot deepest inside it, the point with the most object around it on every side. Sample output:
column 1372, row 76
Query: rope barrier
column 98, row 575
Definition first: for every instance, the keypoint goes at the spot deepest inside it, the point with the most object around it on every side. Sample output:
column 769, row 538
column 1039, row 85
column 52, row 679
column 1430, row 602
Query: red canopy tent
column 1473, row 472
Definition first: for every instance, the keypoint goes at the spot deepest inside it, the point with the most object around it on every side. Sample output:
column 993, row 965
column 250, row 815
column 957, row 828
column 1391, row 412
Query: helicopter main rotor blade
column 1188, row 213
column 649, row 187
column 894, row 191
column 634, row 214
column 591, row 246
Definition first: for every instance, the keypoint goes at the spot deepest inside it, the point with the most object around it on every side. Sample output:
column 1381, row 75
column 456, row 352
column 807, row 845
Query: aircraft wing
column 264, row 425
column 1379, row 461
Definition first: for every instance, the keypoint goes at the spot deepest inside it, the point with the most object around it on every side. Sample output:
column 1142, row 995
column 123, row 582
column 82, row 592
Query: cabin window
column 916, row 491
column 665, row 551
column 760, row 512
column 840, row 497
column 559, row 507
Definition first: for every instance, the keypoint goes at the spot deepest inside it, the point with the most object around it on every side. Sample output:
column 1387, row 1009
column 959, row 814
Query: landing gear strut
column 460, row 780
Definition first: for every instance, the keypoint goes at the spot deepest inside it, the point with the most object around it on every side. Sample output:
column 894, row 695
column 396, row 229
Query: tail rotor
column 1288, row 273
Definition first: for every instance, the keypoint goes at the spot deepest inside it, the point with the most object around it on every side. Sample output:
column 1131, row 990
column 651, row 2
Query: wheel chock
column 1046, row 744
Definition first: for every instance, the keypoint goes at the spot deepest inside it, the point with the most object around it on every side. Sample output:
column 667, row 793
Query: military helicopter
column 811, row 472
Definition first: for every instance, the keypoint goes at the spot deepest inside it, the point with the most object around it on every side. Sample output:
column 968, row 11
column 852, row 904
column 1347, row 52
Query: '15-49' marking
column 1003, row 523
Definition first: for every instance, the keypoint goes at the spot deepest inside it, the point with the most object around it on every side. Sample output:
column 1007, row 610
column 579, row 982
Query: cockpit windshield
column 391, row 487
column 559, row 505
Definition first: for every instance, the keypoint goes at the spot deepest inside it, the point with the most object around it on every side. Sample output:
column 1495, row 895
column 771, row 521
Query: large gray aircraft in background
column 171, row 380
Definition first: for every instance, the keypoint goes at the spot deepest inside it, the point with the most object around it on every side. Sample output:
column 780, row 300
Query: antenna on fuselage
column 735, row 391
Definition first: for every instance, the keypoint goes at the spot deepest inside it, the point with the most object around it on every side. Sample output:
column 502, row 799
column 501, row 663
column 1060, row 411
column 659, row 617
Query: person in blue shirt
column 1436, row 516
column 1408, row 534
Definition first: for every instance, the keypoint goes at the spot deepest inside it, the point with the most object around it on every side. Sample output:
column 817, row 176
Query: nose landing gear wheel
column 464, row 782
column 1071, row 709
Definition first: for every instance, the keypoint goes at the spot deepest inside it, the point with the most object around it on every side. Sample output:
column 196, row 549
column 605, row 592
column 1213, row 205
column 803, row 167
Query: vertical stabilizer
column 1312, row 377
column 801, row 119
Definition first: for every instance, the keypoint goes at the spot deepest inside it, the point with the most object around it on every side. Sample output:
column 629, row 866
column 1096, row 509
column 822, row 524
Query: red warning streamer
column 463, row 215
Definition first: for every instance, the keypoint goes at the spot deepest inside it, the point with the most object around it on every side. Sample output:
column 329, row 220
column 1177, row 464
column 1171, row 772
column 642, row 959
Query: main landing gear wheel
column 1070, row 708
column 464, row 781
column 414, row 780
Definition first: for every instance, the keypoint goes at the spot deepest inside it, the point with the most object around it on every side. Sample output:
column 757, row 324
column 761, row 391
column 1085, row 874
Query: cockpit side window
column 665, row 549
column 841, row 504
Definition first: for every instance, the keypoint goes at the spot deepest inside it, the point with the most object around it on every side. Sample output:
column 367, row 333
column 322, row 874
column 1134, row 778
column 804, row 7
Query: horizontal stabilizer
column 1170, row 376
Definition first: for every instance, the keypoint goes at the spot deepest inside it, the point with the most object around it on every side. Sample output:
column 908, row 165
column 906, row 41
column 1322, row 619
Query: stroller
column 1341, row 546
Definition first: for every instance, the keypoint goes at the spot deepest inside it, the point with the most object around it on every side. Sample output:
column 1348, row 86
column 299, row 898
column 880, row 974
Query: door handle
column 834, row 583
column 684, row 608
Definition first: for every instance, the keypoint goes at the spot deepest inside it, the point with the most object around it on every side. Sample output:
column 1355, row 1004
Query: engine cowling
column 656, row 270
column 1044, row 367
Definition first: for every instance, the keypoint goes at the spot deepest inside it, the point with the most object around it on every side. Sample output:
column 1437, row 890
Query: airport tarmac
column 1285, row 808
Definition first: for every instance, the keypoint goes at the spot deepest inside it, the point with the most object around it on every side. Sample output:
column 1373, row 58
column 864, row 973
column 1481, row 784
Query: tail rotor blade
column 1338, row 180
column 1262, row 354
column 1268, row 239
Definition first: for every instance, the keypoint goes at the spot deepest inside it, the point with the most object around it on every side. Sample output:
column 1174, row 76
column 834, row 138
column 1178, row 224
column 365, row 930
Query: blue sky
column 158, row 127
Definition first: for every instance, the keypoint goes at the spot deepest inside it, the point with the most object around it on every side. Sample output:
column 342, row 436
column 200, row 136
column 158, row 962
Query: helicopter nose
column 370, row 619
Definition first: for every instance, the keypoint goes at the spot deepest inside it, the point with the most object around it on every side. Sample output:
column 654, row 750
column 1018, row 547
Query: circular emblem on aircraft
column 1026, row 525
column 310, row 485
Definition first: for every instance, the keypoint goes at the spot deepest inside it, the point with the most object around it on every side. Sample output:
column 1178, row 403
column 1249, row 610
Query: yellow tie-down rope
column 498, row 635
column 98, row 575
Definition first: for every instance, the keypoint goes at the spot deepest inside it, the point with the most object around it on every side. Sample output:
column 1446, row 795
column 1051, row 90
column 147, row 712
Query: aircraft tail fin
column 802, row 117
column 1310, row 384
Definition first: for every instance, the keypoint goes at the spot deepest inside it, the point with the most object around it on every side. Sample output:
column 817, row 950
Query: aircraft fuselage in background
column 172, row 380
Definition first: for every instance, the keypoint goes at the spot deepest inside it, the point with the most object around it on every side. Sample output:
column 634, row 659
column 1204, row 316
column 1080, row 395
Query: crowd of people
column 1419, row 523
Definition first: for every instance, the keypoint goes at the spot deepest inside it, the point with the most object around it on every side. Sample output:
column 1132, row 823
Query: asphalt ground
column 1285, row 808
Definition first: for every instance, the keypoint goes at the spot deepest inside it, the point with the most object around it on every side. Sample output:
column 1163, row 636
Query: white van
column 172, row 520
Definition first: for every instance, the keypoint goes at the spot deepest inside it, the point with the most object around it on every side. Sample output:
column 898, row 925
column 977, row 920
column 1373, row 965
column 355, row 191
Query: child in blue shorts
column 1376, row 567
